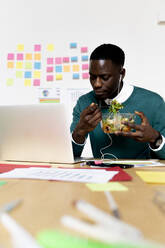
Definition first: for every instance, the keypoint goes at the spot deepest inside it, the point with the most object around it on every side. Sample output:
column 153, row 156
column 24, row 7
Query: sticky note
column 74, row 59
column 27, row 74
column 19, row 56
column 2, row 183
column 37, row 48
column 58, row 239
column 37, row 56
column 152, row 176
column 19, row 74
column 10, row 56
column 84, row 49
column 27, row 82
column 37, row 65
column 19, row 65
column 50, row 47
column 58, row 76
column 37, row 74
column 112, row 186
column 10, row 82
column 10, row 64
column 28, row 56
column 50, row 61
column 36, row 82
column 58, row 68
column 49, row 78
column 73, row 45
column 85, row 66
column 49, row 69
column 66, row 68
column 28, row 65
column 75, row 76
column 65, row 59
column 85, row 75
column 20, row 47
column 84, row 57
column 75, row 68
column 58, row 60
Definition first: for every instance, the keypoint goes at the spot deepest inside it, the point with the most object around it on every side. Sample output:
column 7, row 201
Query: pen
column 123, row 166
column 9, row 206
column 112, row 204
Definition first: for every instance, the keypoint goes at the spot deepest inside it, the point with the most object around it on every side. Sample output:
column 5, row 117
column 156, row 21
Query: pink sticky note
column 85, row 66
column 19, row 56
column 10, row 56
column 37, row 48
column 50, row 61
column 49, row 69
column 58, row 60
column 65, row 59
column 50, row 78
column 36, row 82
column 84, row 49
column 85, row 75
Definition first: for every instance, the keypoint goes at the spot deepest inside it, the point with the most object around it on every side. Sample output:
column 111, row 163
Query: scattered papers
column 136, row 163
column 152, row 176
column 112, row 186
column 72, row 175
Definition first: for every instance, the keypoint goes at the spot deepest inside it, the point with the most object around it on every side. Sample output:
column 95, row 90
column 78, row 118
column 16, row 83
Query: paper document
column 72, row 175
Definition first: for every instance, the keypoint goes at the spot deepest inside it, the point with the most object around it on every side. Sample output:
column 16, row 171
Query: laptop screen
column 37, row 133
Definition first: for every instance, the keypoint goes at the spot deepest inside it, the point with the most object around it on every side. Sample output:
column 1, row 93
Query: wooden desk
column 45, row 202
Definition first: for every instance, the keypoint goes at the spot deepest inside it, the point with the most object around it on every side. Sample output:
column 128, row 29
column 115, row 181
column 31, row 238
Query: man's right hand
column 89, row 119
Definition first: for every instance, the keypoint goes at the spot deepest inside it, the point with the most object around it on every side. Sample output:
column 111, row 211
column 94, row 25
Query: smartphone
column 123, row 166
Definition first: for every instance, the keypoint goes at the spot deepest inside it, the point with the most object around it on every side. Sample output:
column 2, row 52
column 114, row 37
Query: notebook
column 35, row 133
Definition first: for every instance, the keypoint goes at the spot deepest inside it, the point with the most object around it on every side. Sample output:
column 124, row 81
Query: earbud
column 120, row 79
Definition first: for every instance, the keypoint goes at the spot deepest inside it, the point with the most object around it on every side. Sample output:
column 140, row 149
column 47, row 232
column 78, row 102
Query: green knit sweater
column 141, row 99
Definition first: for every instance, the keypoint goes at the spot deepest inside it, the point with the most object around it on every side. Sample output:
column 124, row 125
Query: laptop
column 35, row 133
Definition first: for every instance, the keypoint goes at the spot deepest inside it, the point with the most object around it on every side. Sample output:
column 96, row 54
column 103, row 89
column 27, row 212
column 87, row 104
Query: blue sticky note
column 84, row 58
column 73, row 45
column 28, row 74
column 58, row 68
column 76, row 76
column 37, row 65
column 74, row 59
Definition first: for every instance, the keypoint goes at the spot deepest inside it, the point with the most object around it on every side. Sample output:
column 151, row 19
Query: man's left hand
column 144, row 132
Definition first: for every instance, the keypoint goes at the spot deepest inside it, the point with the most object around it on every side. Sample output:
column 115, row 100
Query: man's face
column 104, row 78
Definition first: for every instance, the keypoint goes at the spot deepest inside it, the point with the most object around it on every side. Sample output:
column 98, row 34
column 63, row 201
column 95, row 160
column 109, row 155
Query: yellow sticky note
column 58, row 76
column 27, row 82
column 37, row 56
column 112, row 186
column 66, row 68
column 37, row 74
column 28, row 56
column 19, row 74
column 50, row 47
column 19, row 65
column 10, row 65
column 20, row 47
column 152, row 176
column 75, row 68
column 28, row 65
column 10, row 81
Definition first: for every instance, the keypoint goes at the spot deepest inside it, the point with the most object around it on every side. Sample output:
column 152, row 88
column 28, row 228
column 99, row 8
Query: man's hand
column 144, row 132
column 89, row 119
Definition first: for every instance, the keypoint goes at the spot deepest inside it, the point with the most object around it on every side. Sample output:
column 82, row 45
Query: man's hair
column 110, row 52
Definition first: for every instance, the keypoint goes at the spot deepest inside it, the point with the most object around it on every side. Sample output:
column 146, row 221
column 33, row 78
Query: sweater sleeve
column 77, row 148
column 159, row 125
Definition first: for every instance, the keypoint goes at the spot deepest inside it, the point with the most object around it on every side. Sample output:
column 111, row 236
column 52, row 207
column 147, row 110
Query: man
column 106, row 77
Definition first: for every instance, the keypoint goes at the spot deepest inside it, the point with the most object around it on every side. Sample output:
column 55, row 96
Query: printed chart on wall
column 51, row 72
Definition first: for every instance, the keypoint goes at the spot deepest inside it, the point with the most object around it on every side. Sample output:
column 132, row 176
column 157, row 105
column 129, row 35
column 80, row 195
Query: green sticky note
column 112, row 186
column 2, row 183
column 57, row 239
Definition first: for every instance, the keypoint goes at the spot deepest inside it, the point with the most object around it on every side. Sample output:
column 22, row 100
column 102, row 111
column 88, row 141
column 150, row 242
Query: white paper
column 72, row 175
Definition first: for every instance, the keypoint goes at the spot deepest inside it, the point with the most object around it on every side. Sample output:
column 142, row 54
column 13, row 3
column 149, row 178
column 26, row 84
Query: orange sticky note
column 66, row 68
column 37, row 56
column 28, row 56
column 10, row 64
